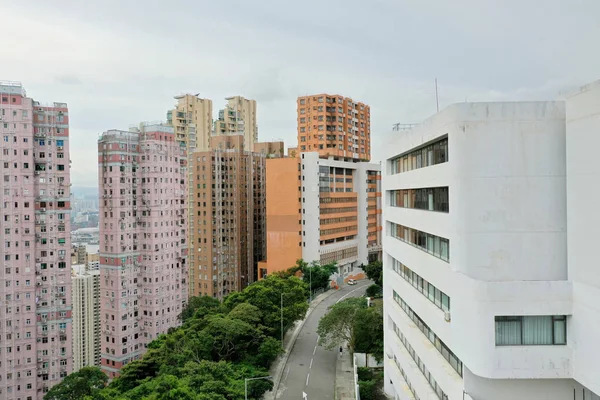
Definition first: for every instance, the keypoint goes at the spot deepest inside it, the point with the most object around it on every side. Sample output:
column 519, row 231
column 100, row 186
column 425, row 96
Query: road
column 311, row 368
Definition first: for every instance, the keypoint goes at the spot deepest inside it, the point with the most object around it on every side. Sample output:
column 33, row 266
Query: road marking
column 307, row 376
column 311, row 360
column 315, row 350
column 349, row 293
column 287, row 372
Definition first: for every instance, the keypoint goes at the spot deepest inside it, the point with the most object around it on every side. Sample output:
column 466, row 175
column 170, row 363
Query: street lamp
column 281, row 316
column 310, row 287
column 252, row 379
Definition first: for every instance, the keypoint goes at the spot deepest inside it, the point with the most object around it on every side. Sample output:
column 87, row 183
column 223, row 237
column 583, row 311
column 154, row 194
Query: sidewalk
column 344, row 377
column 289, row 340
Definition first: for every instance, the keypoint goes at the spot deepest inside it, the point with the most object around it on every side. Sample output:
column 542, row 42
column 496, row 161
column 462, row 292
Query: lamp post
column 310, row 287
column 281, row 318
column 252, row 379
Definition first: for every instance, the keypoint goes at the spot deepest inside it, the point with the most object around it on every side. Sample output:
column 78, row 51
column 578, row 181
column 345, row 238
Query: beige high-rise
column 227, row 221
column 192, row 121
column 238, row 117
column 86, row 317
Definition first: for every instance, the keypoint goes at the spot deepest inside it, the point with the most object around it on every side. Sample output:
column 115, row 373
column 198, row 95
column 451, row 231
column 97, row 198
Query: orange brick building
column 324, row 200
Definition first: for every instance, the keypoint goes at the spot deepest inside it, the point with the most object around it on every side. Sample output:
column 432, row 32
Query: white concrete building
column 86, row 317
column 583, row 227
column 480, row 301
column 361, row 182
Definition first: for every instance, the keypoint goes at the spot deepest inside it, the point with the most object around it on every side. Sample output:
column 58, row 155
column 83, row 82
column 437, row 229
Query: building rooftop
column 12, row 87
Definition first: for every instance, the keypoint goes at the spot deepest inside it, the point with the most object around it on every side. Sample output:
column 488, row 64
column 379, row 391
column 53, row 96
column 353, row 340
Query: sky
column 117, row 63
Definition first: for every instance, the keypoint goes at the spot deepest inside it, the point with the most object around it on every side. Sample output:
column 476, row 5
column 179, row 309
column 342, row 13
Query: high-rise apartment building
column 483, row 299
column 238, row 117
column 86, row 317
column 191, row 120
column 227, row 225
column 35, row 317
column 143, row 239
column 325, row 187
column 335, row 126
column 322, row 210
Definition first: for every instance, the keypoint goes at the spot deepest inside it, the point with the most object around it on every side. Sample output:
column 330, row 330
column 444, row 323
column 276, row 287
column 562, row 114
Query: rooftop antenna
column 437, row 99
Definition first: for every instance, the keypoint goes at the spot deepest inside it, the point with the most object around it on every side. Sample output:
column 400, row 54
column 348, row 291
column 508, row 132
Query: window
column 432, row 154
column 411, row 351
column 444, row 350
column 436, row 246
column 436, row 296
column 531, row 330
column 431, row 199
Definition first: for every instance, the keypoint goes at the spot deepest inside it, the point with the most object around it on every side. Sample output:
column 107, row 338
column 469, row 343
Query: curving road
column 311, row 368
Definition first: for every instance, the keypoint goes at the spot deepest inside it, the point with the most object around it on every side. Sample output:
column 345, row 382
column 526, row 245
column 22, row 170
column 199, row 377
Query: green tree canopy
column 368, row 331
column 202, row 306
column 374, row 272
column 374, row 290
column 337, row 327
column 210, row 355
column 86, row 382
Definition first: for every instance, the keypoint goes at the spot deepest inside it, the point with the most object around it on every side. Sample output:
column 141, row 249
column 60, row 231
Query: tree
column 246, row 312
column 337, row 326
column 316, row 275
column 374, row 272
column 266, row 295
column 85, row 382
column 268, row 352
column 232, row 338
column 368, row 332
column 373, row 291
column 209, row 356
column 203, row 305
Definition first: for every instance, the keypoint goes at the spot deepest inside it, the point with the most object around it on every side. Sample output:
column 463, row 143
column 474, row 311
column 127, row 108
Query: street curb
column 292, row 342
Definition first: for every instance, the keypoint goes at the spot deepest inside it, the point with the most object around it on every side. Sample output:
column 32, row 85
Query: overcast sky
column 118, row 62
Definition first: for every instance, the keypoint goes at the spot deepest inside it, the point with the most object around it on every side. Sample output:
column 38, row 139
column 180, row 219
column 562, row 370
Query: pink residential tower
column 143, row 247
column 35, row 314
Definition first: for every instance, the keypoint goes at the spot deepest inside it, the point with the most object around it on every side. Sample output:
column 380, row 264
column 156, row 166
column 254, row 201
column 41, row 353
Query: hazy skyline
column 118, row 63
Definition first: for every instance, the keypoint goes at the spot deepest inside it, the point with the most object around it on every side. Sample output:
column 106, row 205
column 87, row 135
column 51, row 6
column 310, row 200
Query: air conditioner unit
column 43, row 209
column 37, row 172
column 447, row 316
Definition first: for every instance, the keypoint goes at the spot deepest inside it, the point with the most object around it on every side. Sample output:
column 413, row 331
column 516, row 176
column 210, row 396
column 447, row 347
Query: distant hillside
column 86, row 192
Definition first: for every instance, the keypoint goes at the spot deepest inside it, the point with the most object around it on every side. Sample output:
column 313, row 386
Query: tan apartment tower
column 228, row 224
column 335, row 126
column 191, row 120
column 238, row 117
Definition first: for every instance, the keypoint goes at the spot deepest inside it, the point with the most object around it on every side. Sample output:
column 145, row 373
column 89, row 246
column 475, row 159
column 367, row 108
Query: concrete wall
column 583, row 173
column 507, row 231
column 283, row 224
